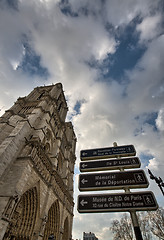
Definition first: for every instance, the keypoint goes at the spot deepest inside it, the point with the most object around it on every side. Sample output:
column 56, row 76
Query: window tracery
column 65, row 232
column 53, row 221
column 22, row 220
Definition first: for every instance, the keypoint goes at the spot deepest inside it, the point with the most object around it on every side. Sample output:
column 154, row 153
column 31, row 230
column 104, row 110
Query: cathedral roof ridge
column 58, row 84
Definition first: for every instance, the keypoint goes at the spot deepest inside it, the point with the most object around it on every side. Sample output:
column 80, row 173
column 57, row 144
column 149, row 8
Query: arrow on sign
column 84, row 165
column 84, row 181
column 83, row 202
column 109, row 152
column 117, row 202
column 84, row 153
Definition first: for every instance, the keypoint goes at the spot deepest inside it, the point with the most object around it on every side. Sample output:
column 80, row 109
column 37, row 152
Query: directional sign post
column 110, row 164
column 112, row 180
column 120, row 202
column 100, row 153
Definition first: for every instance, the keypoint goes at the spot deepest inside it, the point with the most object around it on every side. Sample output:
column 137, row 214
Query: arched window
column 21, row 225
column 53, row 222
column 66, row 230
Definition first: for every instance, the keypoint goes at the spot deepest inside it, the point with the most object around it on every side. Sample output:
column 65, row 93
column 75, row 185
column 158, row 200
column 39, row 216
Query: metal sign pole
column 133, row 214
column 136, row 227
column 135, row 223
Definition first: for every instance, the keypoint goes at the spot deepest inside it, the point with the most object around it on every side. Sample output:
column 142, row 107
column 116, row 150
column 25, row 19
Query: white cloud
column 116, row 12
column 153, row 164
column 72, row 38
column 150, row 27
column 146, row 88
column 110, row 109
column 122, row 12
column 160, row 120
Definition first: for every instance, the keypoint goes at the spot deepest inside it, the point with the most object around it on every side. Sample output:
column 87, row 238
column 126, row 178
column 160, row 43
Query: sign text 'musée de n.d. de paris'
column 118, row 202
column 109, row 152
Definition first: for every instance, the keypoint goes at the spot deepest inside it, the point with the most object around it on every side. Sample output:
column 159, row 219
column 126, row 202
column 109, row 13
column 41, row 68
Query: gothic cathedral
column 37, row 157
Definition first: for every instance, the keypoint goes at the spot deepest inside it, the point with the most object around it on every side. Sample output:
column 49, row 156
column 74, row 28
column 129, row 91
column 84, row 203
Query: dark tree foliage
column 122, row 229
column 157, row 222
column 151, row 225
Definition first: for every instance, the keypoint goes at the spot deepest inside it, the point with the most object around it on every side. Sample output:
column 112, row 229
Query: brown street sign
column 110, row 164
column 120, row 202
column 112, row 180
column 109, row 152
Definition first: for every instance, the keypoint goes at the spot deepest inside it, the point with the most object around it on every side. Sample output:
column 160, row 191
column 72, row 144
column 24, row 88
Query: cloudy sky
column 109, row 56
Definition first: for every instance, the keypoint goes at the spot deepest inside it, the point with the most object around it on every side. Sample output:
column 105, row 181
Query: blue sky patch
column 145, row 118
column 84, row 9
column 127, row 54
column 13, row 4
column 78, row 106
column 151, row 119
column 31, row 63
column 76, row 109
column 145, row 158
column 66, row 9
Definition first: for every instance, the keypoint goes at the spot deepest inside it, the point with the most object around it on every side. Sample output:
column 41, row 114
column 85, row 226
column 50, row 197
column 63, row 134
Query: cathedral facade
column 37, row 157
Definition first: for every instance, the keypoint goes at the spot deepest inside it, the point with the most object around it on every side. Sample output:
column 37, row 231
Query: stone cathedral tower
column 37, row 157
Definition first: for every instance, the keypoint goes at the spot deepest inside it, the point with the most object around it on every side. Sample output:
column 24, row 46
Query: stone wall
column 37, row 157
